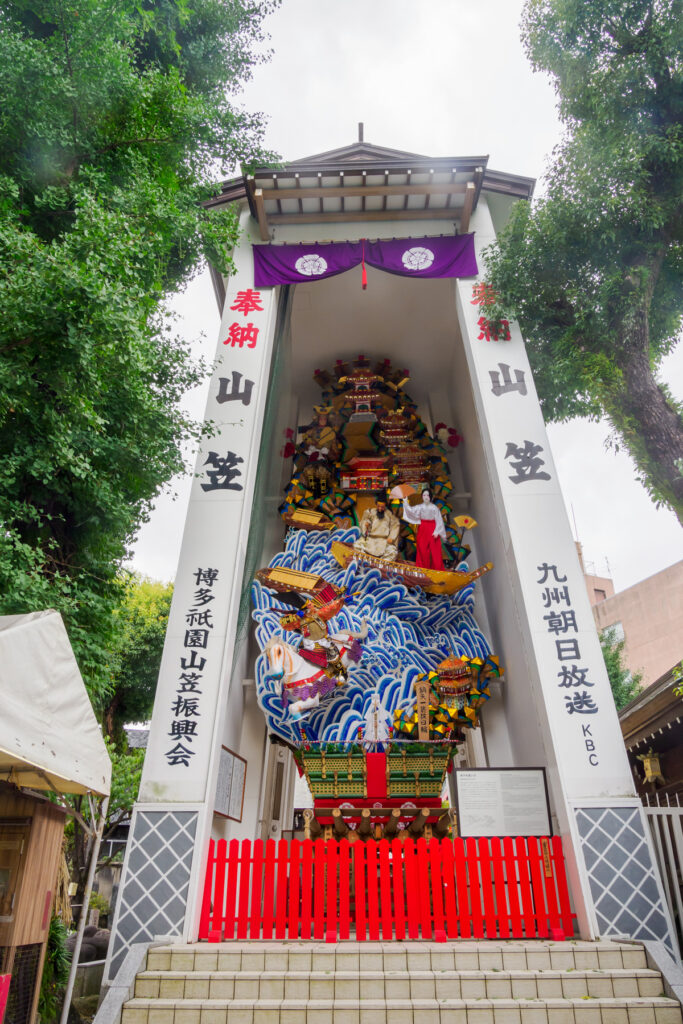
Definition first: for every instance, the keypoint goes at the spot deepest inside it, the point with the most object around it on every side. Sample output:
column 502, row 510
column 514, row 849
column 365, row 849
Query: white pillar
column 599, row 814
column 165, row 857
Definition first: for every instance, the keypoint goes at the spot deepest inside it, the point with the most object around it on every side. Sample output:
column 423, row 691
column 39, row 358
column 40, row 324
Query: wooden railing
column 433, row 889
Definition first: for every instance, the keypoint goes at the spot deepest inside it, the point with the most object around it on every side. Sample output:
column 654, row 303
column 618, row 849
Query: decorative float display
column 372, row 662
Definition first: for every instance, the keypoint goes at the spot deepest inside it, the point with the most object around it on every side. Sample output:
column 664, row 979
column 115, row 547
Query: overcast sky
column 443, row 78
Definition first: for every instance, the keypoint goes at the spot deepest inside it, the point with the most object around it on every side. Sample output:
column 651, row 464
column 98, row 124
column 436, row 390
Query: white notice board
column 502, row 802
column 232, row 775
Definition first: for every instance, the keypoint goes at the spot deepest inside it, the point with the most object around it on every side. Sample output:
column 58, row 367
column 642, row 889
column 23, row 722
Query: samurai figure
column 317, row 647
column 430, row 531
column 322, row 450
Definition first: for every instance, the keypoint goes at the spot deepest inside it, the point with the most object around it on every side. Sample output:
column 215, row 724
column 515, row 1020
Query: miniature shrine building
column 337, row 376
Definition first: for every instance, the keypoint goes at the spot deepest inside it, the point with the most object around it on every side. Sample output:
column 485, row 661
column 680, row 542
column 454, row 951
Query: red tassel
column 364, row 275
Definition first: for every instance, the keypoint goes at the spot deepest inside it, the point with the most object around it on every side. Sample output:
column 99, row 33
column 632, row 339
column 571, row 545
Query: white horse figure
column 303, row 685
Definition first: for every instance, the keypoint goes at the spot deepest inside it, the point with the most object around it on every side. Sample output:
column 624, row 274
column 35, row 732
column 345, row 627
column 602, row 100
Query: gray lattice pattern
column 622, row 876
column 153, row 896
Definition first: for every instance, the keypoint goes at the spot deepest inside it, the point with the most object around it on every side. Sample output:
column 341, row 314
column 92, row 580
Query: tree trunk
column 650, row 427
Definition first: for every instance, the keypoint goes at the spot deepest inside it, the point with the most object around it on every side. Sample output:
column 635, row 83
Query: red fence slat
column 243, row 899
column 511, row 888
column 306, row 888
column 231, row 894
column 434, row 850
column 412, row 892
column 549, row 884
column 359, row 889
column 293, row 897
column 205, row 916
column 269, row 889
column 281, row 883
column 535, row 869
column 474, row 888
column 525, row 888
column 398, row 886
column 331, row 851
column 424, row 887
column 256, row 888
column 219, row 891
column 499, row 889
column 319, row 890
column 562, row 889
column 464, row 915
column 373, row 891
column 487, row 887
column 448, row 876
column 385, row 890
column 344, row 898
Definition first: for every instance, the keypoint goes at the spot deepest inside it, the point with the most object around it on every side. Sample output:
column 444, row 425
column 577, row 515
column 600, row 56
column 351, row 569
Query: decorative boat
column 307, row 519
column 433, row 581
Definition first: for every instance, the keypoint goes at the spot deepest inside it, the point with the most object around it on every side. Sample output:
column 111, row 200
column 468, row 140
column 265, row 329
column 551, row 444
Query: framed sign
column 502, row 802
column 232, row 776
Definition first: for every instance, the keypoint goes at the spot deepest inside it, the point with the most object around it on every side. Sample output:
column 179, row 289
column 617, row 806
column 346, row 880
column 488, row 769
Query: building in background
column 648, row 616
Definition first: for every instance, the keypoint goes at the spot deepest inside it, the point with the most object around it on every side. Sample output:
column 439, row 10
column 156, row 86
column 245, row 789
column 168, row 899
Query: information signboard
column 502, row 802
column 232, row 775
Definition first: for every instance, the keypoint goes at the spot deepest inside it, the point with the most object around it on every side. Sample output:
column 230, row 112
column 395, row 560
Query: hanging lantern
column 651, row 766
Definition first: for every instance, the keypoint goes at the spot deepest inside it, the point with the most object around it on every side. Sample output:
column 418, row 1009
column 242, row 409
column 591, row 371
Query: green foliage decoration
column 116, row 117
column 593, row 270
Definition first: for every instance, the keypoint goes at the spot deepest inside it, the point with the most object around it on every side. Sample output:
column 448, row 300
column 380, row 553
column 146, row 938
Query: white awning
column 49, row 736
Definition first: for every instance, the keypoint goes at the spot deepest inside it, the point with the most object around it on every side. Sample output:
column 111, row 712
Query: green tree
column 592, row 271
column 141, row 621
column 625, row 686
column 126, row 769
column 116, row 115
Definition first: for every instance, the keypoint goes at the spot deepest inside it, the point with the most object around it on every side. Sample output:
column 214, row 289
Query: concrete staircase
column 400, row 983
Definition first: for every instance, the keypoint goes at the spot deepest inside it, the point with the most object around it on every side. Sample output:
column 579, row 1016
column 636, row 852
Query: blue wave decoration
column 409, row 632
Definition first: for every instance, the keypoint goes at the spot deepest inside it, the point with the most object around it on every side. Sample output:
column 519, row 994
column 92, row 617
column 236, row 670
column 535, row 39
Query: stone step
column 652, row 1010
column 439, row 984
column 394, row 956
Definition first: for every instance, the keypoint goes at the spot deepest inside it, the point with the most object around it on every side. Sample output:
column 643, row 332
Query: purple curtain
column 443, row 256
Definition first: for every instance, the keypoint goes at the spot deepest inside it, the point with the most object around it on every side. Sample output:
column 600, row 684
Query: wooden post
column 417, row 825
column 365, row 824
column 391, row 826
column 340, row 826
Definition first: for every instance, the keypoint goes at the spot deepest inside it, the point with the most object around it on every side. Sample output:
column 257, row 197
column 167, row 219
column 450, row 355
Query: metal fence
column 666, row 826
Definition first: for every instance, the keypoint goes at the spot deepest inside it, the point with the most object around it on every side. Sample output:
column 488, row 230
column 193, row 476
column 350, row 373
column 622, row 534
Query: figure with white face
column 430, row 531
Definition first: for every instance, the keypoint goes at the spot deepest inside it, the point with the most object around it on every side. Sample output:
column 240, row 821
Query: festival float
column 372, row 665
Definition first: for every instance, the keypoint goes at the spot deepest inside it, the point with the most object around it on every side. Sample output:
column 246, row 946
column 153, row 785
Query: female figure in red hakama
column 430, row 531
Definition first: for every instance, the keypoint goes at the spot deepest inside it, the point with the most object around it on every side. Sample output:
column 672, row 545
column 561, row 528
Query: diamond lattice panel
column 622, row 876
column 153, row 898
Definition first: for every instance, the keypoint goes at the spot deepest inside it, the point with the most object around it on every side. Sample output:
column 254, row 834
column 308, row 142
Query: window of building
column 615, row 632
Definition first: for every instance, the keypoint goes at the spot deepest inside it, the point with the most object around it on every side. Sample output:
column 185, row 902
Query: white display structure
column 554, row 707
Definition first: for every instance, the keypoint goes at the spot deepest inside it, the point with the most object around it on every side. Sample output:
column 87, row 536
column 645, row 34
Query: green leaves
column 114, row 115
column 624, row 685
column 593, row 271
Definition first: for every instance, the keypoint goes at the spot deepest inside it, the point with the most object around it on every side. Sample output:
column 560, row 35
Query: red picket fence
column 433, row 889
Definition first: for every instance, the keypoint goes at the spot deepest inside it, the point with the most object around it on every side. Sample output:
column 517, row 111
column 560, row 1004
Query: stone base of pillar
column 154, row 891
column 622, row 873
